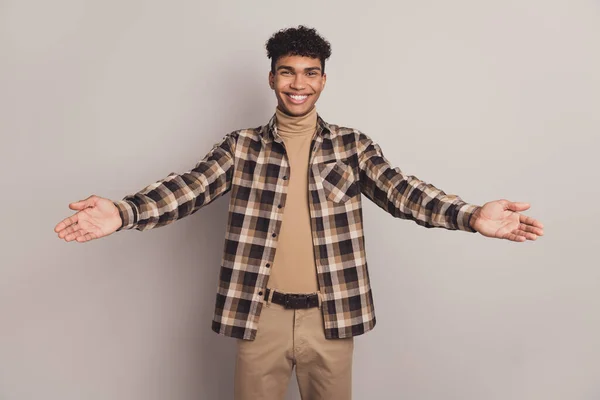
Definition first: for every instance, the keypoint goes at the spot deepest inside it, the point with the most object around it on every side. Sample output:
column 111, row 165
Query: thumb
column 81, row 204
column 518, row 206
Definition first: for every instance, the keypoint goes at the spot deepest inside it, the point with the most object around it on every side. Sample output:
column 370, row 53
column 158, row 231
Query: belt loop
column 319, row 298
column 269, row 295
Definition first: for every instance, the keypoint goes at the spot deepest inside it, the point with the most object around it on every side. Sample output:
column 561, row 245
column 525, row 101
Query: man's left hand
column 501, row 219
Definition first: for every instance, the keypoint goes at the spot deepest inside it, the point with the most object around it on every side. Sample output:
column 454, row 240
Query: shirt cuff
column 465, row 213
column 128, row 213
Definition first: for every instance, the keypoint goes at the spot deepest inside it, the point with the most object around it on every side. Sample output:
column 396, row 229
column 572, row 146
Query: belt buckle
column 296, row 301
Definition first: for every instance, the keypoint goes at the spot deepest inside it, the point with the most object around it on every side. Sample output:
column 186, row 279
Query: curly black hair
column 300, row 41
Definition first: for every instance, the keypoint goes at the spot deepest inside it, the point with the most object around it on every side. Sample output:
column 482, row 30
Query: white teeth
column 297, row 97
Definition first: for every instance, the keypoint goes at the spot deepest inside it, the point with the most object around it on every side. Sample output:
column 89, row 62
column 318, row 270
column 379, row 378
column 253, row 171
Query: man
column 294, row 285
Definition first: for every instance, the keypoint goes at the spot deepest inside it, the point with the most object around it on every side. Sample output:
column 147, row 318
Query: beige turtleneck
column 294, row 269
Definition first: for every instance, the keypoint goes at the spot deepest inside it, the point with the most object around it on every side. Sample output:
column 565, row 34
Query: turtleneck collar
column 288, row 125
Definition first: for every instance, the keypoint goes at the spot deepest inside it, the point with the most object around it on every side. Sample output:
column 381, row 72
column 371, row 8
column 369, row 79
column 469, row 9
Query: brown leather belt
column 293, row 300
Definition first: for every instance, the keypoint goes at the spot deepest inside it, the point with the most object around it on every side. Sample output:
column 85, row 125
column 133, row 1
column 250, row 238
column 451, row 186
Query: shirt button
column 260, row 293
column 274, row 234
column 268, row 265
column 285, row 177
column 279, row 206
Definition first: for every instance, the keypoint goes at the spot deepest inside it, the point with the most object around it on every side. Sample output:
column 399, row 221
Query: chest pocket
column 338, row 181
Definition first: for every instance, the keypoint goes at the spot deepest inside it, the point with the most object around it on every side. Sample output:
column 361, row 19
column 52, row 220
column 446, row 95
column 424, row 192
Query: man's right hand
column 97, row 217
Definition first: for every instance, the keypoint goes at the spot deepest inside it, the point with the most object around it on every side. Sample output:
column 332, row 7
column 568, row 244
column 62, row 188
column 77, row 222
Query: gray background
column 485, row 99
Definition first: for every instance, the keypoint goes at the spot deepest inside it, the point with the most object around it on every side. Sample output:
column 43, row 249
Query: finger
column 517, row 206
column 526, row 235
column 66, row 222
column 86, row 238
column 74, row 235
column 81, row 204
column 531, row 221
column 532, row 229
column 515, row 238
column 73, row 228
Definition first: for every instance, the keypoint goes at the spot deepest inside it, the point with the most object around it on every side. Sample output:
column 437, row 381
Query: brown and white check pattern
column 252, row 164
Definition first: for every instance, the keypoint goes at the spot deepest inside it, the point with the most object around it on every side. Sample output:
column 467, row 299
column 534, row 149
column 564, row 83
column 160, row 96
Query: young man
column 294, row 285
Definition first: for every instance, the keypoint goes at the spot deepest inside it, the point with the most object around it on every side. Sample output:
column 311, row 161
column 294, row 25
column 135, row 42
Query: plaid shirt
column 252, row 164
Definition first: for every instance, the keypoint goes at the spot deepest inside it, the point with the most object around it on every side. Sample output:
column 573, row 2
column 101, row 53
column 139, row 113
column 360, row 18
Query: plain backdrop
column 484, row 99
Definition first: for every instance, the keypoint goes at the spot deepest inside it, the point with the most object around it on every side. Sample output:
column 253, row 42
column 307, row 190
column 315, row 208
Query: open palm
column 501, row 219
column 97, row 217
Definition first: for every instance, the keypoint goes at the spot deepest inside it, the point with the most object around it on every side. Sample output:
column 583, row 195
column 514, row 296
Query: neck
column 291, row 124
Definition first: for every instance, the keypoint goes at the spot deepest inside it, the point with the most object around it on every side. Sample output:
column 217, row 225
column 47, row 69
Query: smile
column 297, row 98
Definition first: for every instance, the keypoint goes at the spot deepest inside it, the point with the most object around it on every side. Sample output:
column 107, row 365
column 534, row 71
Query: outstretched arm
column 170, row 199
column 406, row 196
column 178, row 196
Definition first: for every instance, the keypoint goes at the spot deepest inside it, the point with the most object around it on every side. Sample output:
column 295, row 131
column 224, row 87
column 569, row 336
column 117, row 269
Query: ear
column 271, row 80
column 323, row 80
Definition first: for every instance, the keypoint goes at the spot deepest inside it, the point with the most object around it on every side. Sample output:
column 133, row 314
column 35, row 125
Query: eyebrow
column 287, row 67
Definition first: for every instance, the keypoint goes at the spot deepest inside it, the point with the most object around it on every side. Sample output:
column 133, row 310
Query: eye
column 286, row 73
column 312, row 73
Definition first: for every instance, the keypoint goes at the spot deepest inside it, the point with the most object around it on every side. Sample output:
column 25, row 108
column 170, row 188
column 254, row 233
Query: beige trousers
column 285, row 339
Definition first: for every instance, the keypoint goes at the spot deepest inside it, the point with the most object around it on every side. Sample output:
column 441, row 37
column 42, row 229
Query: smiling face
column 298, row 82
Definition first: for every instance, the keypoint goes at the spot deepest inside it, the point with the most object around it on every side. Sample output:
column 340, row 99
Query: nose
column 298, row 82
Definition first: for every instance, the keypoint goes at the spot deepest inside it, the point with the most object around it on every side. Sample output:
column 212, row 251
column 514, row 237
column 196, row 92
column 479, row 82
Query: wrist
column 474, row 217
